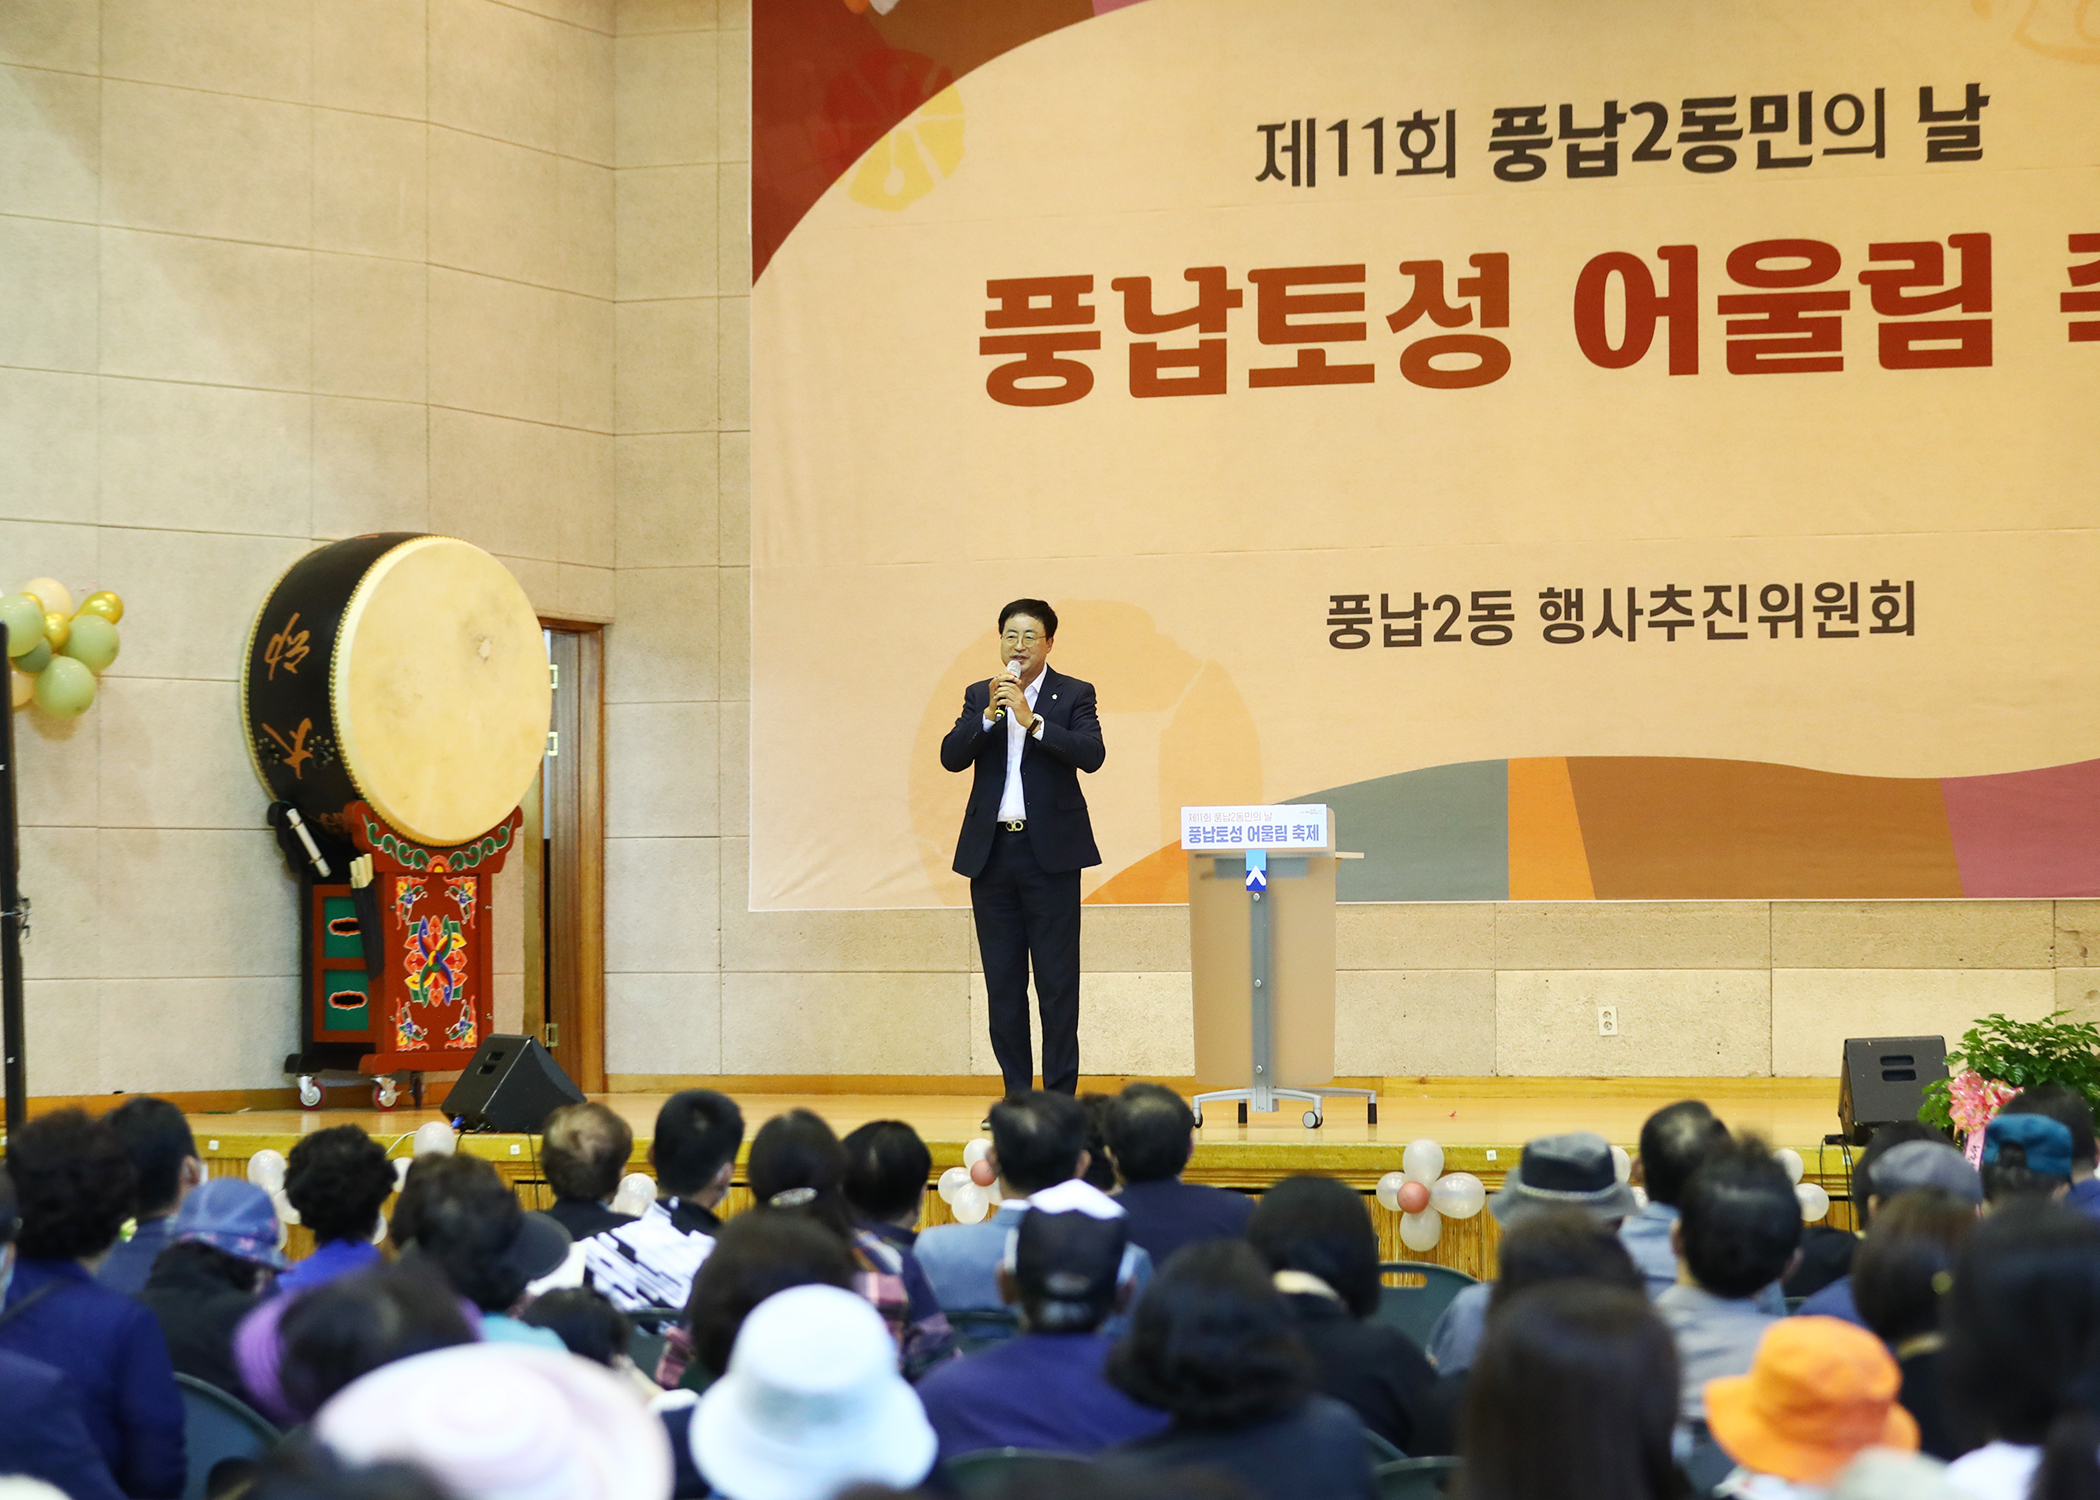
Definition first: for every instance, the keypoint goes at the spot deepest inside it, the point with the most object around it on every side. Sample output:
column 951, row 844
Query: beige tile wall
column 286, row 270
column 271, row 272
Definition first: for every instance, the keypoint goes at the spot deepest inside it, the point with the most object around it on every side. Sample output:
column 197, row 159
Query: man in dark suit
column 1029, row 732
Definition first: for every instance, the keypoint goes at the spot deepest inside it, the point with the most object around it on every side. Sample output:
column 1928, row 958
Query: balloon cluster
column 58, row 651
column 1815, row 1202
column 1424, row 1197
column 971, row 1190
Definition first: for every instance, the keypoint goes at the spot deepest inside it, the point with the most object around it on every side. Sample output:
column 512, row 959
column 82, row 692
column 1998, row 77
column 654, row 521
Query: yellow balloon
column 65, row 688
column 57, row 628
column 103, row 602
column 52, row 593
column 21, row 688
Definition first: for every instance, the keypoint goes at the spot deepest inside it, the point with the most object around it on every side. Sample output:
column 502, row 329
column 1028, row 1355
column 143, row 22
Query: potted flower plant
column 1997, row 1057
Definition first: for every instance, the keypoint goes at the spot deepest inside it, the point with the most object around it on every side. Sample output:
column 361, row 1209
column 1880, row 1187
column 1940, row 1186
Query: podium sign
column 1261, row 940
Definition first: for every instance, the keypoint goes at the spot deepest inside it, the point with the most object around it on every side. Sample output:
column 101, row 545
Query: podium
column 1261, row 950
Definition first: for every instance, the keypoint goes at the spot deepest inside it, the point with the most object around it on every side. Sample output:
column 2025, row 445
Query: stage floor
column 1482, row 1124
column 1476, row 1120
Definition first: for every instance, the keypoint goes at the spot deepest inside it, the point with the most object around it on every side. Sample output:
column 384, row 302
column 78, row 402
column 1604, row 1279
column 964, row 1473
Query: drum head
column 441, row 690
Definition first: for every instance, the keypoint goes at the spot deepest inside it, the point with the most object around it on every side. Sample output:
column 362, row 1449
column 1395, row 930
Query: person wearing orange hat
column 1819, row 1392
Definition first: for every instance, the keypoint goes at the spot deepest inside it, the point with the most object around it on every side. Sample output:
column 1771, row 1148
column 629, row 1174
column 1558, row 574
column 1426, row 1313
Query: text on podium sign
column 1289, row 827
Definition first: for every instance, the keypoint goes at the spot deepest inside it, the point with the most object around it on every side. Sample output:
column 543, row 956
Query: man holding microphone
column 1025, row 838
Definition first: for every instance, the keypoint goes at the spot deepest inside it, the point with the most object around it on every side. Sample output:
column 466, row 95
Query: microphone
column 1013, row 674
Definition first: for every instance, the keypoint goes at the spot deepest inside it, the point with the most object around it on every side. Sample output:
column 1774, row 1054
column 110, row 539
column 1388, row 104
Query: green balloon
column 65, row 688
column 35, row 659
column 23, row 616
column 93, row 643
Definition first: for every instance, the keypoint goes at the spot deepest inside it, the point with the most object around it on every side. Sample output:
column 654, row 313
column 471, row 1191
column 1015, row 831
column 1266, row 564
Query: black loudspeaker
column 511, row 1086
column 1884, row 1080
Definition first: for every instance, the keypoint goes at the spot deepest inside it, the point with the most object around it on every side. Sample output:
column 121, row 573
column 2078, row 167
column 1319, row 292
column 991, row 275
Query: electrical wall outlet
column 1607, row 1020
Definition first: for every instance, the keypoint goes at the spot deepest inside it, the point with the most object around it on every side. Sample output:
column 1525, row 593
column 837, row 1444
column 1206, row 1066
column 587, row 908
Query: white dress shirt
column 1012, row 807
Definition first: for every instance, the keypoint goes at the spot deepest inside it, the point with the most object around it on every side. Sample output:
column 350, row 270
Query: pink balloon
column 1414, row 1197
column 981, row 1173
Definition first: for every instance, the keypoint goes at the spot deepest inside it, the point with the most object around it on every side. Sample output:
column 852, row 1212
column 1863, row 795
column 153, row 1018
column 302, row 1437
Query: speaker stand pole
column 12, row 912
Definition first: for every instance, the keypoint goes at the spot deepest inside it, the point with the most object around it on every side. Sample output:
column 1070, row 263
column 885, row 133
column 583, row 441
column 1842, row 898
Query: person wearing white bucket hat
column 504, row 1422
column 812, row 1403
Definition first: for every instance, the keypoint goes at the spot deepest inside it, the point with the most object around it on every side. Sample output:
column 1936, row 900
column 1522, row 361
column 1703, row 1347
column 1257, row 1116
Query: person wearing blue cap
column 2025, row 1156
column 221, row 1261
column 2068, row 1107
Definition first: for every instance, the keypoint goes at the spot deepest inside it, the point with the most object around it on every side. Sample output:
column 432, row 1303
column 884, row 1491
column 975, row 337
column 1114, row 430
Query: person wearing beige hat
column 1819, row 1392
column 504, row 1422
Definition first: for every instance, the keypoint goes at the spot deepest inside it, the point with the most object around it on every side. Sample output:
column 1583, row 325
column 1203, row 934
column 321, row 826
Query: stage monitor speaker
column 1884, row 1080
column 511, row 1086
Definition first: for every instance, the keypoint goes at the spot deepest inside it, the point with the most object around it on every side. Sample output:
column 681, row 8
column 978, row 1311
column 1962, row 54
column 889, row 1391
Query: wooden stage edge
column 1482, row 1124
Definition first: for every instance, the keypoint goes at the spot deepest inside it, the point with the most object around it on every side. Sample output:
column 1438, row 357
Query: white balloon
column 975, row 1151
column 401, row 1166
column 1423, row 1161
column 971, row 1204
column 433, row 1138
column 1621, row 1163
column 953, row 1181
column 1814, row 1202
column 995, row 1193
column 1388, row 1192
column 1789, row 1158
column 379, row 1231
column 266, row 1170
column 1421, row 1231
column 1458, row 1195
column 286, row 1214
column 637, row 1190
column 1640, row 1197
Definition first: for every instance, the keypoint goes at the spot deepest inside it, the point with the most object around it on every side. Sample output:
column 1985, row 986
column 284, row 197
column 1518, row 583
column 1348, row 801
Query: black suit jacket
column 1058, row 827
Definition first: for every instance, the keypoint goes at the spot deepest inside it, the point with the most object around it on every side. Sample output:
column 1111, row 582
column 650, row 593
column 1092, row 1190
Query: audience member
column 811, row 1402
column 1151, row 1134
column 221, row 1262
column 1826, row 1252
column 1903, row 1266
column 2023, row 1343
column 1573, row 1397
column 798, row 1165
column 2069, row 1108
column 887, row 1166
column 1322, row 1252
column 583, row 1153
column 1819, row 1392
column 1100, row 1167
column 757, row 1254
column 75, row 1186
column 2025, row 1156
column 45, row 1435
column 1212, row 1344
column 586, row 1322
column 503, row 1422
column 1556, row 1171
column 1038, row 1141
column 456, row 1213
column 308, row 1471
column 164, row 1155
column 650, row 1262
column 1046, row 1389
column 338, row 1179
column 1908, row 1164
column 1674, row 1140
column 343, row 1330
column 1738, row 1230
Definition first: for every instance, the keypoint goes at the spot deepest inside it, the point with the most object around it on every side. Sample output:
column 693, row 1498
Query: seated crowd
column 1133, row 1334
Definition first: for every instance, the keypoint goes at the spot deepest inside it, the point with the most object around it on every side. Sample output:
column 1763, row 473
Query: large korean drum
column 402, row 670
column 396, row 694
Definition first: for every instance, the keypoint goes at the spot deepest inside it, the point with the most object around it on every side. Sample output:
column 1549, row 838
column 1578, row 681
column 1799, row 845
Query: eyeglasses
column 1022, row 638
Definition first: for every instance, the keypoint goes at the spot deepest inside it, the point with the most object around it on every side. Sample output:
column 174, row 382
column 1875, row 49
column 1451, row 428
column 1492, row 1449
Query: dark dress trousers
column 1024, row 887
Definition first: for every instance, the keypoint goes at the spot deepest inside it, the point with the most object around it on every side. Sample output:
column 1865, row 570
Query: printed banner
column 1630, row 452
